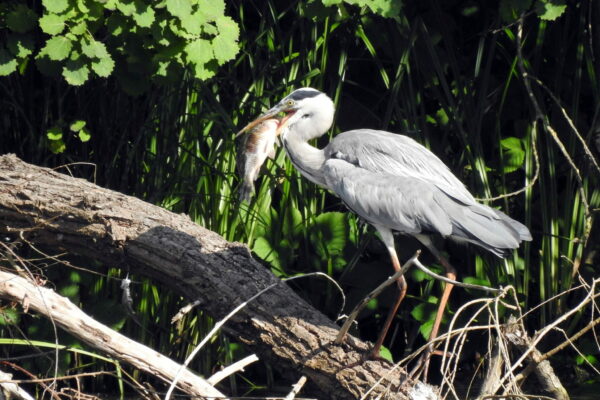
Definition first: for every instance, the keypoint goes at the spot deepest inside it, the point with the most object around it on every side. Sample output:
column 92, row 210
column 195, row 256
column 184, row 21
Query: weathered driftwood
column 71, row 318
column 58, row 211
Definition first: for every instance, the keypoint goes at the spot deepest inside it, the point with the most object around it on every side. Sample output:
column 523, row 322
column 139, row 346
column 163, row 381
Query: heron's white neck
column 306, row 158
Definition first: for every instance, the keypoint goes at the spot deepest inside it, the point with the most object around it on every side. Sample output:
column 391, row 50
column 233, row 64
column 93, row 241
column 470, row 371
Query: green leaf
column 52, row 24
column 225, row 45
column 550, row 10
column 144, row 14
column 77, row 125
column 179, row 8
column 9, row 316
column 329, row 234
column 192, row 23
column 54, row 133
column 70, row 291
column 56, row 6
column 199, row 52
column 386, row 354
column 206, row 71
column 513, row 154
column 94, row 49
column 116, row 24
column 265, row 251
column 21, row 19
column 57, row 48
column 126, row 7
column 211, row 9
column 103, row 67
column 57, row 146
column 76, row 72
column 19, row 45
column 79, row 29
column 84, row 135
column 8, row 64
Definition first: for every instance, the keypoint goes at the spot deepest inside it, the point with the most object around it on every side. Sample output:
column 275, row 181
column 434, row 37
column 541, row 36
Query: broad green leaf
column 179, row 8
column 513, row 154
column 127, row 7
column 103, row 67
column 22, row 19
column 77, row 125
column 225, row 45
column 8, row 64
column 79, row 29
column 329, row 234
column 56, row 6
column 291, row 223
column 54, row 133
column 199, row 52
column 76, row 72
column 265, row 251
column 192, row 23
column 143, row 15
column 57, row 48
column 52, row 24
column 20, row 45
column 211, row 9
column 550, row 10
column 84, row 135
column 81, row 6
column 94, row 49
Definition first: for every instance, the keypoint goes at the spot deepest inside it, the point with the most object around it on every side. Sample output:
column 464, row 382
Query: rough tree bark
column 61, row 212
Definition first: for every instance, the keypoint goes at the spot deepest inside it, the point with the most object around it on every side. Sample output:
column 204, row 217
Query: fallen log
column 57, row 211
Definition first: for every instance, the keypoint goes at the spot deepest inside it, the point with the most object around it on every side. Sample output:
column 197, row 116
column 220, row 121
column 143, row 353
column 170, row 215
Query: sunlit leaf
column 8, row 63
column 550, row 9
column 513, row 154
column 55, row 6
column 58, row 48
column 54, row 133
column 52, row 24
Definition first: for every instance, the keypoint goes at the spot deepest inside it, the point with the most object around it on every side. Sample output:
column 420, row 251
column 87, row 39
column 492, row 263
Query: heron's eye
column 289, row 103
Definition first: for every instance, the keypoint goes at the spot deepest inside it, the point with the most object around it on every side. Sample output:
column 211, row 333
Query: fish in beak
column 258, row 144
column 271, row 114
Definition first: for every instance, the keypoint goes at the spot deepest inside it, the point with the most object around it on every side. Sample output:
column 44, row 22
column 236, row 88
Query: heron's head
column 308, row 114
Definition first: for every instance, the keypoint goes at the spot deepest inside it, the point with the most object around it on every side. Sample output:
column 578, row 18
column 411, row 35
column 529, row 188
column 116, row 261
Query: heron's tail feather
column 494, row 231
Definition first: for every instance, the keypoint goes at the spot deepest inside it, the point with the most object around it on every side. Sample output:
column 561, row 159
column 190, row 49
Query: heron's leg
column 451, row 274
column 388, row 239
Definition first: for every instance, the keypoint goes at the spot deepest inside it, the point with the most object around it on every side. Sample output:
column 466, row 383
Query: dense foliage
column 505, row 93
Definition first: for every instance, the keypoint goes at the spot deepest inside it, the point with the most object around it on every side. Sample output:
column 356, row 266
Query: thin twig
column 232, row 369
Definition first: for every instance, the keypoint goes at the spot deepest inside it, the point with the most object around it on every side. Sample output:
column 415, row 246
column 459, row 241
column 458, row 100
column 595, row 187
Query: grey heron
column 392, row 182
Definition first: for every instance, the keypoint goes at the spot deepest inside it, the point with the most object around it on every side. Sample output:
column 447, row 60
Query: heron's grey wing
column 412, row 205
column 399, row 155
column 400, row 203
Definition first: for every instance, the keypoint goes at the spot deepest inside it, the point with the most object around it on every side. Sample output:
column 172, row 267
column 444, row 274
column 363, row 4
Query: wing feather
column 399, row 155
